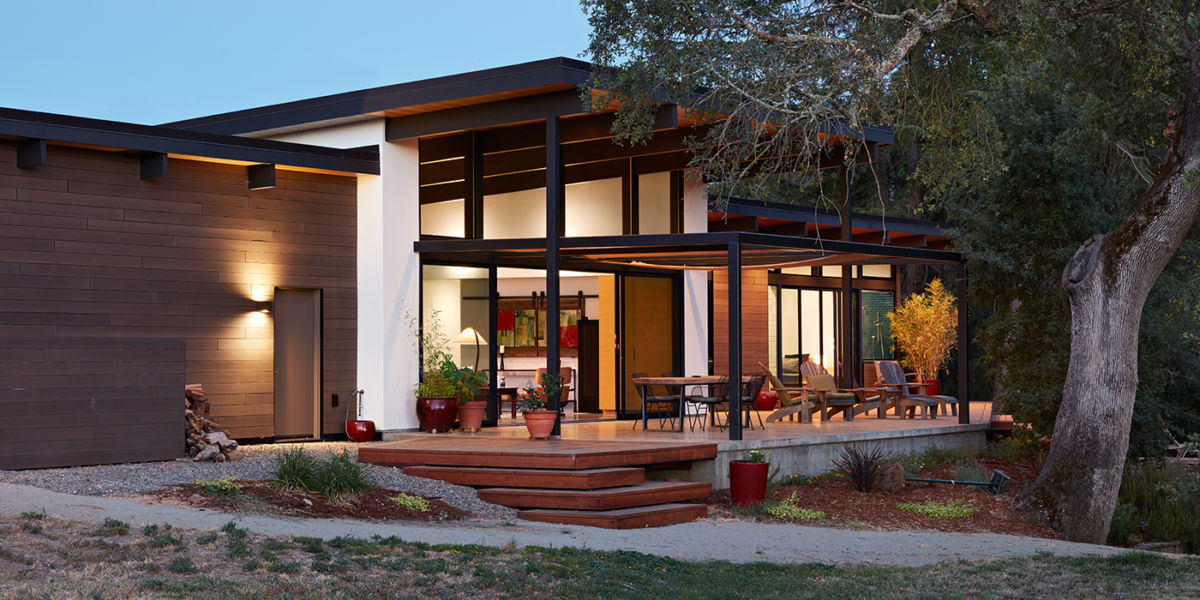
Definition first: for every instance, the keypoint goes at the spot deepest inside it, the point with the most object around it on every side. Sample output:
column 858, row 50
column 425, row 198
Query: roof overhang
column 118, row 136
column 672, row 252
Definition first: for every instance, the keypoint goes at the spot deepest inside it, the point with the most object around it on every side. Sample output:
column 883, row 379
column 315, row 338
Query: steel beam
column 735, row 341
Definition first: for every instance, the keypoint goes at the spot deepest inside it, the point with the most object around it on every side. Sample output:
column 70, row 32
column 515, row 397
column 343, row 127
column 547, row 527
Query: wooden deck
column 506, row 452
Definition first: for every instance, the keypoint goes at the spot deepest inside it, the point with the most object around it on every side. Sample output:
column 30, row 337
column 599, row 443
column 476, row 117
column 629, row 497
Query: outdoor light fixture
column 263, row 307
column 470, row 336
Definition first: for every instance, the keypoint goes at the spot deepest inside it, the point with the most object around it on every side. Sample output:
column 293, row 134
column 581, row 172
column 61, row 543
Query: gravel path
column 128, row 480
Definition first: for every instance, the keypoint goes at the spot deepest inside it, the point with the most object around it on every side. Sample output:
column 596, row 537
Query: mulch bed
column 267, row 497
column 844, row 506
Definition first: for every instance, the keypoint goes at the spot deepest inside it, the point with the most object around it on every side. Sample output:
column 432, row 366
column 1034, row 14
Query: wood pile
column 205, row 439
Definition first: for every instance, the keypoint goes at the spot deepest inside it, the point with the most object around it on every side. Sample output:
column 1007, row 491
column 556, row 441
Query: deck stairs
column 600, row 484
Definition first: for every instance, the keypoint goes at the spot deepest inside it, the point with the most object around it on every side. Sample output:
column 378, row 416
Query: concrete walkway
column 736, row 541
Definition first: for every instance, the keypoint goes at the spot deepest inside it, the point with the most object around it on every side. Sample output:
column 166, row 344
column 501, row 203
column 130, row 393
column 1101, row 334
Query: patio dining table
column 679, row 383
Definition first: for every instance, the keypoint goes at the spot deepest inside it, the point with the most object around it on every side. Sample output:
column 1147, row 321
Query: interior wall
column 607, row 286
column 443, row 218
column 515, row 214
column 593, row 208
column 654, row 203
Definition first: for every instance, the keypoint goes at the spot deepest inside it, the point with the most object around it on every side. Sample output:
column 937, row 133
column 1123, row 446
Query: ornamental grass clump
column 340, row 475
column 861, row 464
column 925, row 327
column 790, row 509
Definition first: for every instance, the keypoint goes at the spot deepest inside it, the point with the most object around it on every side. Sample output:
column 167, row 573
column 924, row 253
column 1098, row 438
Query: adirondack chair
column 792, row 401
column 903, row 396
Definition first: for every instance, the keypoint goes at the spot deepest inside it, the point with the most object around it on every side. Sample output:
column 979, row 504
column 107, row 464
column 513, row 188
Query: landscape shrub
column 1164, row 504
column 790, row 509
column 861, row 464
column 339, row 475
column 411, row 502
column 954, row 509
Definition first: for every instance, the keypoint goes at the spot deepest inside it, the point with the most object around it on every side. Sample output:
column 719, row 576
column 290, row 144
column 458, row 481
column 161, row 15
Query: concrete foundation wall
column 814, row 455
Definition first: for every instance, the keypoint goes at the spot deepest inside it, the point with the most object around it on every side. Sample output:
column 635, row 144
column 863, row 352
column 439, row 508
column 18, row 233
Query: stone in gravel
column 210, row 453
column 890, row 478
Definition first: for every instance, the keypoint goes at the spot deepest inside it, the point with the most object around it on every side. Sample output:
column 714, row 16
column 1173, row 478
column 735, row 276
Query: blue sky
column 153, row 62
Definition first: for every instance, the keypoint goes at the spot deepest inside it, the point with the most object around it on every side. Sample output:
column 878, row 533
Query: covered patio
column 677, row 253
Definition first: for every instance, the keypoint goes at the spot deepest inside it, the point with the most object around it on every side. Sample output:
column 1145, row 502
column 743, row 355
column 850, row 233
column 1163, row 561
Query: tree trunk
column 1107, row 281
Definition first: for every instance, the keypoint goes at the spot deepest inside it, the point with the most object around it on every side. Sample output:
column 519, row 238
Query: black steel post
column 555, row 193
column 735, row 341
column 493, row 407
column 964, row 347
column 846, row 343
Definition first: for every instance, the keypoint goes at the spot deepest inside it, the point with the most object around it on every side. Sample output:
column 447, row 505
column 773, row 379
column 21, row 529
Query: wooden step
column 586, row 479
column 644, row 494
column 623, row 518
column 466, row 451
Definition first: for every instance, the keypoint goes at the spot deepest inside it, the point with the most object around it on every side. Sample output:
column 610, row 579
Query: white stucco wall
column 695, row 283
column 388, row 270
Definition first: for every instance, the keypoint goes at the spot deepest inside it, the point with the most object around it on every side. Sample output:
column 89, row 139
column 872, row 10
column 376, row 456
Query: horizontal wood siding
column 755, row 332
column 88, row 249
column 82, row 401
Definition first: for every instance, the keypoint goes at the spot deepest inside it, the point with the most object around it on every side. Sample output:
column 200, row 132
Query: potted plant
column 925, row 326
column 439, row 391
column 538, row 420
column 471, row 403
column 359, row 429
column 748, row 478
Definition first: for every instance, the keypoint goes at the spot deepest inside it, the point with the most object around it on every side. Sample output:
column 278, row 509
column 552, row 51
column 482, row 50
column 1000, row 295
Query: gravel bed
column 257, row 463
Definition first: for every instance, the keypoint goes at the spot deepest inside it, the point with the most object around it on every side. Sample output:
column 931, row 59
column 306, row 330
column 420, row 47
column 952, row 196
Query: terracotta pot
column 766, row 400
column 748, row 482
column 470, row 415
column 540, row 423
column 360, row 431
column 931, row 386
column 440, row 413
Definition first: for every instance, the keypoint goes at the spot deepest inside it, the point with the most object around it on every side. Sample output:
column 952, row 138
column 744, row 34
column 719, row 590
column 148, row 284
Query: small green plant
column 207, row 538
column 111, row 528
column 182, row 564
column 537, row 398
column 31, row 522
column 225, row 486
column 754, row 456
column 861, row 464
column 790, row 509
column 954, row 509
column 235, row 540
column 1165, row 501
column 411, row 502
column 1123, row 526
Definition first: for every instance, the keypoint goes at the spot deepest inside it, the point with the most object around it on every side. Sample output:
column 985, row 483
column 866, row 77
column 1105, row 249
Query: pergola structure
column 731, row 250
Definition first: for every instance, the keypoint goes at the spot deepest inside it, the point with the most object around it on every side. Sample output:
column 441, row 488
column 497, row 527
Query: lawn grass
column 351, row 568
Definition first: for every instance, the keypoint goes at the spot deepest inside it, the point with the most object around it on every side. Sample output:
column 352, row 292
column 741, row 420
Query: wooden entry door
column 297, row 363
column 650, row 317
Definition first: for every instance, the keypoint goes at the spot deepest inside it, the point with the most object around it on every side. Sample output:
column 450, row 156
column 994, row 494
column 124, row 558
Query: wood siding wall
column 86, row 401
column 754, row 321
column 88, row 249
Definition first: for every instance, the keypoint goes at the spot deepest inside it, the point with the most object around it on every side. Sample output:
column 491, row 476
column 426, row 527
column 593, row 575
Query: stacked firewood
column 204, row 437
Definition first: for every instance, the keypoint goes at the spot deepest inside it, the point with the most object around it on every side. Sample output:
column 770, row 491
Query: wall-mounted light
column 262, row 307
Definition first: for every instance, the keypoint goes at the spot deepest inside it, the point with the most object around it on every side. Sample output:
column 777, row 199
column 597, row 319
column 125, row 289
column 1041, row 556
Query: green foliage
column 536, row 398
column 225, row 486
column 925, row 326
column 441, row 377
column 295, row 469
column 236, row 544
column 411, row 502
column 953, row 509
column 790, row 509
column 111, row 528
column 183, row 565
column 861, row 464
column 1162, row 499
column 32, row 522
column 755, row 456
column 1023, row 443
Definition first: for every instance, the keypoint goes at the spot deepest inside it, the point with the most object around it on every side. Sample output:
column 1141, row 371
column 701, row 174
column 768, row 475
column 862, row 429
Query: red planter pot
column 748, row 482
column 540, row 423
column 439, row 414
column 767, row 401
column 470, row 415
column 360, row 431
column 931, row 386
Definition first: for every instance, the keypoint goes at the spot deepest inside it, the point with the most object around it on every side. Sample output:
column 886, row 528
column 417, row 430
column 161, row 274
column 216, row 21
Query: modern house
column 250, row 250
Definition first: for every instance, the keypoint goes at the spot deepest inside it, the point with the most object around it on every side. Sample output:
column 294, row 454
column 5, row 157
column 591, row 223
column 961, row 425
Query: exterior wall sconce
column 263, row 307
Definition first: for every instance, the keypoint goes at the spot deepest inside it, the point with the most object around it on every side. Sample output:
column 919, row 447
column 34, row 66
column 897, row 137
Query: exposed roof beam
column 31, row 153
column 734, row 224
column 260, row 177
column 153, row 165
column 490, row 114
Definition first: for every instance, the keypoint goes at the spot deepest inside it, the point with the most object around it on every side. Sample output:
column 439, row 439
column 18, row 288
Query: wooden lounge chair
column 902, row 396
column 831, row 399
column 792, row 401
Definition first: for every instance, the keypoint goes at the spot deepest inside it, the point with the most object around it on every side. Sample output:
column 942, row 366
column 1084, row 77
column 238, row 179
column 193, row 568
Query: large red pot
column 931, row 386
column 540, row 423
column 470, row 415
column 440, row 413
column 748, row 482
column 766, row 400
column 360, row 431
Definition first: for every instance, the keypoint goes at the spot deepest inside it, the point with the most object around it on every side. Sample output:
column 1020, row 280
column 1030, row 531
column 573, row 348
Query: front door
column 649, row 329
column 297, row 363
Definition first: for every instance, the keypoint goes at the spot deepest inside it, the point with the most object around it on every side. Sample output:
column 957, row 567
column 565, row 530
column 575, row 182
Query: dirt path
column 735, row 541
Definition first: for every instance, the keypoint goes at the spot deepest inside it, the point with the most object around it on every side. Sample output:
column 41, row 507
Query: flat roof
column 119, row 136
column 538, row 77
